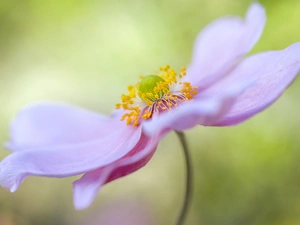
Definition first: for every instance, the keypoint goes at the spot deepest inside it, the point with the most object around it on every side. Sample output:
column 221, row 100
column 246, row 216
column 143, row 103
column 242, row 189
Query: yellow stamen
column 154, row 94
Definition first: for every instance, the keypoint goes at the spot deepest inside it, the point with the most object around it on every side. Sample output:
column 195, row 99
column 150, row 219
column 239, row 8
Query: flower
column 220, row 87
column 129, row 212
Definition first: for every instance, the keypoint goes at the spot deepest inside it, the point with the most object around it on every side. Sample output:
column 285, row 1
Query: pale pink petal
column 46, row 124
column 70, row 159
column 222, row 43
column 202, row 110
column 272, row 72
column 86, row 188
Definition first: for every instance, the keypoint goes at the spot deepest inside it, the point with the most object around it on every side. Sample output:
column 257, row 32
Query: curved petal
column 203, row 110
column 116, row 140
column 46, row 124
column 86, row 188
column 272, row 71
column 222, row 43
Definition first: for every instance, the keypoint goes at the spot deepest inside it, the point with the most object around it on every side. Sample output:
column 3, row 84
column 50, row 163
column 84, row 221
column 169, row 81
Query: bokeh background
column 87, row 52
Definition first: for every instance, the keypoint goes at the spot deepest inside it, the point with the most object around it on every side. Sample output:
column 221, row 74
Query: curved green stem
column 188, row 182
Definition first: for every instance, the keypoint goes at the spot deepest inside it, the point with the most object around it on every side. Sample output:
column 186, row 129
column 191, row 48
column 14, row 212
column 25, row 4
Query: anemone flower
column 220, row 87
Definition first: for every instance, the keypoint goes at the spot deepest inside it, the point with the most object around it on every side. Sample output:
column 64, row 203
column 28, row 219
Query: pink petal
column 202, row 110
column 222, row 43
column 113, row 141
column 46, row 124
column 272, row 71
column 87, row 187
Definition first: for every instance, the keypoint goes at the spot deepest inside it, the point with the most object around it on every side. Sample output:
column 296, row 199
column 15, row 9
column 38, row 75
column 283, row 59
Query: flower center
column 155, row 94
column 152, row 88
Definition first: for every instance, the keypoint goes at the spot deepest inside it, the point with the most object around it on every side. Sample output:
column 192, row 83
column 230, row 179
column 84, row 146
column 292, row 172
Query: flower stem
column 188, row 182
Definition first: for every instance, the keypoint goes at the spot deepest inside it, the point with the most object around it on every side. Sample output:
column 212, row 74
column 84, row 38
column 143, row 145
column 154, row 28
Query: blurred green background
column 87, row 52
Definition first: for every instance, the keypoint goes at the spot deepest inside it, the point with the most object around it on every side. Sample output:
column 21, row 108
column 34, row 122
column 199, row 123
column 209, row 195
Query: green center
column 147, row 85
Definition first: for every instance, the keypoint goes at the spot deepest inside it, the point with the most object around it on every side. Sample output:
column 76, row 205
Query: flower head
column 220, row 87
